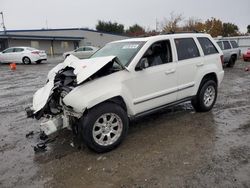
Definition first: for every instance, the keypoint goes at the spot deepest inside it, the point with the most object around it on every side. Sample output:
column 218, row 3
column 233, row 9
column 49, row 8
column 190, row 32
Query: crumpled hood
column 83, row 69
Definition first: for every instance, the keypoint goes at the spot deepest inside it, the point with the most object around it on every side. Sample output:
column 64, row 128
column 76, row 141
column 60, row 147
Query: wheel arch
column 206, row 77
column 234, row 55
column 26, row 57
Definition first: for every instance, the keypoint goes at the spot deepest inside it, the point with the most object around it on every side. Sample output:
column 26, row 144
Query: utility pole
column 4, row 28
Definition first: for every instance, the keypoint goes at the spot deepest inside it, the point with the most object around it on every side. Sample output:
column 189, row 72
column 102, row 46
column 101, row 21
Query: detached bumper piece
column 52, row 125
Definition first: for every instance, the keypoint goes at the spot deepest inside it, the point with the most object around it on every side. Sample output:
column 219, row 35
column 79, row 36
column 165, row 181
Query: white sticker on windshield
column 130, row 46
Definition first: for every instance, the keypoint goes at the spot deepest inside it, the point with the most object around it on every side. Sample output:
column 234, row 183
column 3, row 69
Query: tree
column 248, row 29
column 172, row 24
column 135, row 30
column 193, row 24
column 230, row 29
column 214, row 27
column 111, row 27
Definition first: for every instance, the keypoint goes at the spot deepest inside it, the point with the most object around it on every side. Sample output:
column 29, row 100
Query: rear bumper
column 35, row 58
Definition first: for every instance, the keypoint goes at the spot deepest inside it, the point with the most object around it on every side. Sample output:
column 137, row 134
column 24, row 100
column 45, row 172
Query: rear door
column 226, row 51
column 189, row 62
column 78, row 52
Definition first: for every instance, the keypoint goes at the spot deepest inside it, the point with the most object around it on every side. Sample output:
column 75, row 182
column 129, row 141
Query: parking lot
column 174, row 148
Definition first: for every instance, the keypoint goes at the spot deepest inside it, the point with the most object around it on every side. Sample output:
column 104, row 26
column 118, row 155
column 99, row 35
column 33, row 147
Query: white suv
column 126, row 80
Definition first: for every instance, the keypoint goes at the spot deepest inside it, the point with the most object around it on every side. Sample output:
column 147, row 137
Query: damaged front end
column 48, row 101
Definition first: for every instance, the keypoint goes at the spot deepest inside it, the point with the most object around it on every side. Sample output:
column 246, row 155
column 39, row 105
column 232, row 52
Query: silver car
column 82, row 52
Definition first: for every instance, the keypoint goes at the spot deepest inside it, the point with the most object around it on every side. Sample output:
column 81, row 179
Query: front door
column 155, row 85
column 6, row 55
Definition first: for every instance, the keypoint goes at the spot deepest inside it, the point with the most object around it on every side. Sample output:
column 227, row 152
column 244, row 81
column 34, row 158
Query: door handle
column 170, row 71
column 199, row 64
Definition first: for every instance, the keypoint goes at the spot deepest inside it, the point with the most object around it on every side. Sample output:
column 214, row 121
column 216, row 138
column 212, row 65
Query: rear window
column 18, row 49
column 234, row 44
column 31, row 49
column 88, row 49
column 186, row 48
column 220, row 44
column 207, row 46
column 226, row 45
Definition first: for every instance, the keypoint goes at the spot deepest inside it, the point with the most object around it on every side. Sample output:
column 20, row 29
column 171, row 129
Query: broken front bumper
column 51, row 124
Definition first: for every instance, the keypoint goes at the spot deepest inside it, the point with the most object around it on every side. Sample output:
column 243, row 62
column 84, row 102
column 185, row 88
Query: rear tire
column 104, row 127
column 206, row 96
column 26, row 61
column 231, row 62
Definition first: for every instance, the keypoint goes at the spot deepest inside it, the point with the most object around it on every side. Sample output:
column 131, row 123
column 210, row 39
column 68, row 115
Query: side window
column 79, row 50
column 159, row 53
column 9, row 50
column 226, row 45
column 220, row 45
column 88, row 49
column 186, row 48
column 234, row 44
column 207, row 46
column 18, row 49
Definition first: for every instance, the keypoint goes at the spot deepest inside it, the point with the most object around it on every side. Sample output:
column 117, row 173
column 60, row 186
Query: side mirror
column 143, row 64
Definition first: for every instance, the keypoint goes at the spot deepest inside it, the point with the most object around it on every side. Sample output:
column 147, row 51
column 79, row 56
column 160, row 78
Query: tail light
column 35, row 52
column 222, row 59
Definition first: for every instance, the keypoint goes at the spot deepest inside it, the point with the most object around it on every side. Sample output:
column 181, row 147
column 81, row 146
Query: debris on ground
column 40, row 147
column 31, row 133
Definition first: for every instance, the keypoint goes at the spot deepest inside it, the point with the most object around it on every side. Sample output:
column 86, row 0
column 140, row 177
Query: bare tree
column 172, row 24
column 193, row 24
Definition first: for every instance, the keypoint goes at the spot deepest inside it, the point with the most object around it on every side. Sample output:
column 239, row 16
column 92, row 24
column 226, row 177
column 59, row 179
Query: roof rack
column 180, row 32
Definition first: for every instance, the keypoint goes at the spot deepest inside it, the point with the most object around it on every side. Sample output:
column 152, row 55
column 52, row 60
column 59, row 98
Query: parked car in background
column 25, row 55
column 246, row 55
column 230, row 51
column 82, row 52
column 126, row 80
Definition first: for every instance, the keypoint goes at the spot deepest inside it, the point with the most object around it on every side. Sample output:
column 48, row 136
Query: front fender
column 89, row 95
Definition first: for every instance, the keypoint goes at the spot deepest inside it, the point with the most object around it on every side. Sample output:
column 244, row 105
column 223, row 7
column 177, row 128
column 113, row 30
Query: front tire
column 26, row 61
column 206, row 97
column 104, row 127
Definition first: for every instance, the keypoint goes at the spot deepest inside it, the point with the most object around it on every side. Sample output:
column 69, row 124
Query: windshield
column 125, row 51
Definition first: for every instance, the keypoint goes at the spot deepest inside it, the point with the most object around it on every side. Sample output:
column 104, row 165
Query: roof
column 39, row 37
column 159, row 37
column 65, row 29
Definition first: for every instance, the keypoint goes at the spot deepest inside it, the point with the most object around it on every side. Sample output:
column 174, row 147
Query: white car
column 82, row 52
column 24, row 55
column 126, row 80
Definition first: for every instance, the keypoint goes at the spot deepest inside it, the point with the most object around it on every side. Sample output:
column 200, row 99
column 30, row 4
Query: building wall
column 59, row 47
column 91, row 37
column 99, row 39
column 62, row 46
column 14, row 42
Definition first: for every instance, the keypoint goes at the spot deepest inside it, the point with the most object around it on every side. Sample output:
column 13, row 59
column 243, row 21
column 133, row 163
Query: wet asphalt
column 174, row 148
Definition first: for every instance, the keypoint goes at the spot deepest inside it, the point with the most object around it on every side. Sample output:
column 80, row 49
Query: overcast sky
column 32, row 14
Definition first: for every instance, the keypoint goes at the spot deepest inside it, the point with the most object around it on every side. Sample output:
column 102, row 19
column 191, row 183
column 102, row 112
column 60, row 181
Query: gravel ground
column 174, row 148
